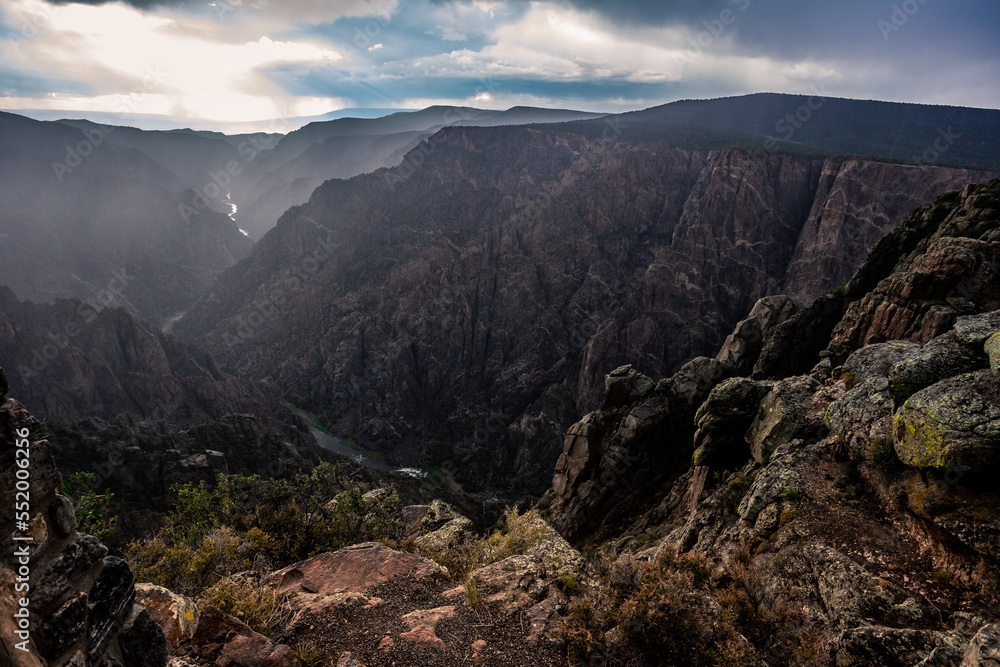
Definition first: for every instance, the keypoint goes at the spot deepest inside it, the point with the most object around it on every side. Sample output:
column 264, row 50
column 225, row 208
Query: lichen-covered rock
column 952, row 424
column 776, row 479
column 862, row 415
column 560, row 559
column 975, row 329
column 992, row 348
column 516, row 580
column 984, row 649
column 448, row 536
column 781, row 417
column 942, row 358
column 878, row 359
column 731, row 400
column 894, row 647
column 438, row 514
column 177, row 615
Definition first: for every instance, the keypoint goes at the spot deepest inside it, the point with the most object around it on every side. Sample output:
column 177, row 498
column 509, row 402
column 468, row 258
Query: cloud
column 449, row 34
column 243, row 59
column 161, row 64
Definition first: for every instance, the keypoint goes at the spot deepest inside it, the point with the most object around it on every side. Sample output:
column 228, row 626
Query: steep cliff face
column 69, row 361
column 464, row 311
column 139, row 408
column 862, row 483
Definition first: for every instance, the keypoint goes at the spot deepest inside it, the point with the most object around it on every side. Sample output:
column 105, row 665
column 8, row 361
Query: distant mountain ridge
column 819, row 124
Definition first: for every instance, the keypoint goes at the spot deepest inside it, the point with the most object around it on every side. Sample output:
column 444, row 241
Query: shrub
column 882, row 454
column 850, row 379
column 472, row 594
column 943, row 576
column 91, row 508
column 308, row 654
column 679, row 610
column 581, row 630
column 568, row 584
column 669, row 617
column 243, row 521
column 517, row 534
column 249, row 599
column 791, row 493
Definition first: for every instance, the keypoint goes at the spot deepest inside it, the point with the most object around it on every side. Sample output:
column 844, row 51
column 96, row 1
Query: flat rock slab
column 340, row 576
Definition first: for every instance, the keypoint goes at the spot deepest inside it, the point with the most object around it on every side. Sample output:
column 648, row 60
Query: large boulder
column 334, row 578
column 81, row 599
column 895, row 647
column 783, row 416
column 975, row 329
column 862, row 415
column 951, row 425
column 625, row 384
column 177, row 615
column 942, row 358
column 692, row 383
column 744, row 344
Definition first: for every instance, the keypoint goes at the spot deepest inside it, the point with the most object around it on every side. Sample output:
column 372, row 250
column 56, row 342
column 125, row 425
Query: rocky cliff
column 857, row 482
column 65, row 601
column 139, row 408
column 462, row 311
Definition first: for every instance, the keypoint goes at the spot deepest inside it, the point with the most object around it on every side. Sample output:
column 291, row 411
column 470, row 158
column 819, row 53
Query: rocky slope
column 853, row 469
column 464, row 311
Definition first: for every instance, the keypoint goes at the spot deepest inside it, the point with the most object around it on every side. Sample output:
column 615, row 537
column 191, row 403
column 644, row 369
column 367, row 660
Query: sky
column 259, row 64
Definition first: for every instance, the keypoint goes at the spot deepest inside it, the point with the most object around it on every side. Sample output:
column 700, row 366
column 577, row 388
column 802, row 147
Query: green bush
column 91, row 508
column 515, row 534
column 245, row 522
column 791, row 493
column 850, row 379
column 882, row 454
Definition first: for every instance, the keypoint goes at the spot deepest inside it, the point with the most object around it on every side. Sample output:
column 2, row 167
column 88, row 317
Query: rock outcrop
column 65, row 600
column 861, row 486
